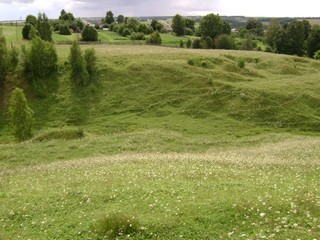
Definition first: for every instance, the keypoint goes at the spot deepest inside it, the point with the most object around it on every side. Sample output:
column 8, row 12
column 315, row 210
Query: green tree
column 64, row 30
column 178, row 25
column 255, row 27
column 13, row 58
column 3, row 58
column 157, row 26
column 30, row 19
column 224, row 41
column 44, row 27
column 307, row 28
column 313, row 42
column 79, row 73
column 21, row 116
column 26, row 31
column 196, row 43
column 109, row 17
column 89, row 33
column 120, row 19
column 212, row 25
column 91, row 62
column 290, row 40
column 189, row 23
column 272, row 31
column 41, row 60
column 207, row 43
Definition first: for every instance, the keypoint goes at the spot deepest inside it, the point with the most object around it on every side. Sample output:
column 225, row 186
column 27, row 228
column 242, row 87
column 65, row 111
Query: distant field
column 177, row 144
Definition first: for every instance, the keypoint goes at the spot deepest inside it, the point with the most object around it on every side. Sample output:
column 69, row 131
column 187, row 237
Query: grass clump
column 191, row 62
column 116, row 225
column 241, row 63
column 62, row 134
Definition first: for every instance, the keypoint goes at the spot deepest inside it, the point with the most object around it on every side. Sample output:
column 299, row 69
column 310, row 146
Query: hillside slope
column 196, row 92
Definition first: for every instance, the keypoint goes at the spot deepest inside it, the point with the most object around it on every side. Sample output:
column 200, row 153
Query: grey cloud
column 143, row 7
column 17, row 1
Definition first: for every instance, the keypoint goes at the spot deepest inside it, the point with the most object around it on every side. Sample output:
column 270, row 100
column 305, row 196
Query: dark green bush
column 137, row 36
column 196, row 43
column 155, row 38
column 64, row 30
column 241, row 63
column 89, row 33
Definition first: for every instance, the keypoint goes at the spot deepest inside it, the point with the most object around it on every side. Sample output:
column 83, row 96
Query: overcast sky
column 18, row 9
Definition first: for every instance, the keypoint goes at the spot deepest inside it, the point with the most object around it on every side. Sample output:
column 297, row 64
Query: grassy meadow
column 166, row 143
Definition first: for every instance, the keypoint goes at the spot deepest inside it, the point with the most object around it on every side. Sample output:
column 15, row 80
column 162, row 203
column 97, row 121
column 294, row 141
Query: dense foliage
column 21, row 116
column 89, row 33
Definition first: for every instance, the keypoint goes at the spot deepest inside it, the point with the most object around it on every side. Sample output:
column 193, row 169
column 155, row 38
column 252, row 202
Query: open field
column 13, row 34
column 179, row 143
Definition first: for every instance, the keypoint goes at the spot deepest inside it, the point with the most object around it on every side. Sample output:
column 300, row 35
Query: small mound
column 61, row 134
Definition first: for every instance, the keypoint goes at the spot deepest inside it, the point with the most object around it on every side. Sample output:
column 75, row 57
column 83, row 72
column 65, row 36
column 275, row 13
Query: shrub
column 155, row 38
column 21, row 115
column 91, row 62
column 317, row 55
column 224, row 41
column 241, row 63
column 115, row 225
column 137, row 36
column 191, row 62
column 13, row 58
column 89, row 33
column 204, row 64
column 26, row 31
column 64, row 30
column 188, row 31
column 208, row 43
column 3, row 58
column 181, row 43
column 189, row 43
column 79, row 73
column 196, row 43
column 126, row 32
column 41, row 59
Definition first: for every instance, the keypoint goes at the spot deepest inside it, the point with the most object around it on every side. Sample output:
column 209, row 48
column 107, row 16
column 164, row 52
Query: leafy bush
column 137, row 36
column 204, row 64
column 155, row 38
column 191, row 62
column 188, row 31
column 21, row 115
column 3, row 58
column 126, row 32
column 224, row 41
column 89, row 33
column 26, row 31
column 64, row 134
column 91, row 62
column 181, row 43
column 79, row 73
column 115, row 225
column 317, row 55
column 241, row 63
column 40, row 60
column 13, row 58
column 189, row 43
column 208, row 43
column 196, row 43
column 64, row 30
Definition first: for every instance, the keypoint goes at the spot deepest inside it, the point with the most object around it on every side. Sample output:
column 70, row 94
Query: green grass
column 182, row 142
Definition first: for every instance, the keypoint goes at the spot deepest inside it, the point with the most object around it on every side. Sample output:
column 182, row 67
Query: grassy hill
column 181, row 143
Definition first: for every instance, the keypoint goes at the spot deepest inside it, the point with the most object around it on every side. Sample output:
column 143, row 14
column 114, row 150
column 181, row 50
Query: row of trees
column 66, row 24
column 39, row 62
